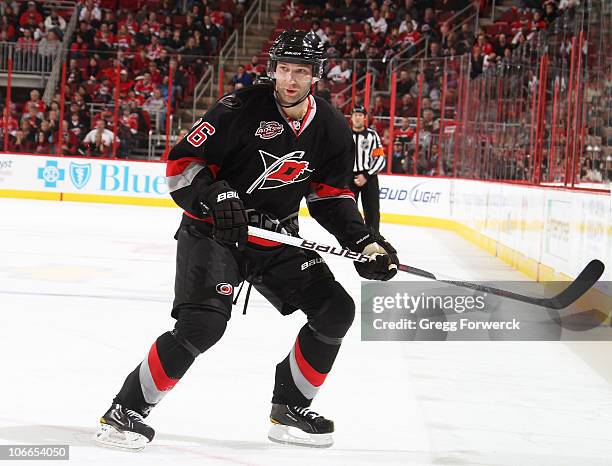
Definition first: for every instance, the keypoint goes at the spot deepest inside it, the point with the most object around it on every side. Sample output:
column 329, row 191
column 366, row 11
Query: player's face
column 358, row 120
column 293, row 81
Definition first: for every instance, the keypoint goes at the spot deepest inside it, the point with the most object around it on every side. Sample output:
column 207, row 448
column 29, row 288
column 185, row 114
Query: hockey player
column 249, row 161
column 369, row 161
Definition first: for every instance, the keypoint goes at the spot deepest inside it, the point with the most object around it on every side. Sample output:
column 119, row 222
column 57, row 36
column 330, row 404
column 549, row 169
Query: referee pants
column 370, row 201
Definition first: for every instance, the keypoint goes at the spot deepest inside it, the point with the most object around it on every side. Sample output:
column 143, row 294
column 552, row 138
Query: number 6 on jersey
column 200, row 134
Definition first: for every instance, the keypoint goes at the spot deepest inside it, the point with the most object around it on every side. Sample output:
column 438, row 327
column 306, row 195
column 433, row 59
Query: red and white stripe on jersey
column 180, row 173
column 154, row 381
column 306, row 378
column 322, row 191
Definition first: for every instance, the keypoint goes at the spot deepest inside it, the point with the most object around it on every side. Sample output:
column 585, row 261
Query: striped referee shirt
column 369, row 152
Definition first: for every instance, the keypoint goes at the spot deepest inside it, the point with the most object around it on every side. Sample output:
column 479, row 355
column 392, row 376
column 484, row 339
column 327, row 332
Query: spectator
column 408, row 108
column 323, row 91
column 347, row 12
column 550, row 11
column 255, row 69
column 44, row 139
column 316, row 28
column 90, row 13
column 329, row 13
column 25, row 138
column 241, row 77
column 408, row 19
column 144, row 86
column 26, row 43
column 378, row 23
column 380, row 109
column 125, row 83
column 477, row 62
column 124, row 40
column 5, row 5
column 86, row 32
column 404, row 83
column 189, row 27
column 12, row 128
column 211, row 34
column 341, row 73
column 130, row 23
column 154, row 49
column 500, row 45
column 55, row 21
column 77, row 127
column 429, row 19
column 175, row 42
column 99, row 140
column 429, row 124
column 408, row 8
column 143, row 37
column 49, row 45
column 74, row 77
column 537, row 23
column 30, row 12
column 35, row 100
column 398, row 158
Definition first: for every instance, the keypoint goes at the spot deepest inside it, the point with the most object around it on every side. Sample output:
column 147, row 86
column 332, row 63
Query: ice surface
column 85, row 289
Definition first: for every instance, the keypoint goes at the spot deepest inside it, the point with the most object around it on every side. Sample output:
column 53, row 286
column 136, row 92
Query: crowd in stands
column 138, row 48
column 354, row 32
column 135, row 49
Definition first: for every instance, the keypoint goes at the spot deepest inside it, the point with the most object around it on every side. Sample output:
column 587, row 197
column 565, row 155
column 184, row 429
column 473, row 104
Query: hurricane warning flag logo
column 281, row 171
column 79, row 174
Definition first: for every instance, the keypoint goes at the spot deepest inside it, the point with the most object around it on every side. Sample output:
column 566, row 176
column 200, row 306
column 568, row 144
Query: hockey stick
column 585, row 280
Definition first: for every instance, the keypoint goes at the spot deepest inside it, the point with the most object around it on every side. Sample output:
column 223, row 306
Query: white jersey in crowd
column 369, row 152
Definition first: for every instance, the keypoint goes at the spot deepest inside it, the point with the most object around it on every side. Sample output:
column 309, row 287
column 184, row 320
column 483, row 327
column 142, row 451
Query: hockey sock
column 165, row 364
column 303, row 371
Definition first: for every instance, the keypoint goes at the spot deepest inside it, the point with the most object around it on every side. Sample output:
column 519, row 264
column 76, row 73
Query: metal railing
column 27, row 59
column 205, row 84
column 61, row 57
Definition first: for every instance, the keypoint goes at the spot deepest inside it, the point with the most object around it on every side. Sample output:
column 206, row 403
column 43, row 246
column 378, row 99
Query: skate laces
column 133, row 415
column 306, row 412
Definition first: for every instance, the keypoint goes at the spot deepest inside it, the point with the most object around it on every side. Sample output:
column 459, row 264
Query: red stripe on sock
column 161, row 379
column 311, row 374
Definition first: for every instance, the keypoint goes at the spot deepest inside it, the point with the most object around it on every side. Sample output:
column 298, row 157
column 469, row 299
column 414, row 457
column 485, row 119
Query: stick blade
column 583, row 282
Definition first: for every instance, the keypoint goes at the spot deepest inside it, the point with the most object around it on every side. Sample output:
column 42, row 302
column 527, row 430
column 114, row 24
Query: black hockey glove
column 383, row 263
column 230, row 225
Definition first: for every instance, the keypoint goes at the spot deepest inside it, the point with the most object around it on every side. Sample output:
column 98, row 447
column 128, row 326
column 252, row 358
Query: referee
column 369, row 160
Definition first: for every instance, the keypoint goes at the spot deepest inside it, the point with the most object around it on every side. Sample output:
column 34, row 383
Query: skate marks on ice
column 187, row 450
column 192, row 450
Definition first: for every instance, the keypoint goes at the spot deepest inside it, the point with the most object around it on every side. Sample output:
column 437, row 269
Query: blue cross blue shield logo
column 80, row 173
column 51, row 174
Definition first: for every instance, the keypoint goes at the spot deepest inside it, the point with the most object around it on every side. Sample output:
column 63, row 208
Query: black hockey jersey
column 272, row 162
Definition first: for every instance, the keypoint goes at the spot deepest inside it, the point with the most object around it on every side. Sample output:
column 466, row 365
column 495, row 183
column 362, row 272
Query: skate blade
column 109, row 437
column 287, row 435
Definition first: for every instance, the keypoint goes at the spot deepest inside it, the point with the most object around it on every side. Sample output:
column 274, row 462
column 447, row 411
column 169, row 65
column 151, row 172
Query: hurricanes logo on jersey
column 281, row 171
column 269, row 129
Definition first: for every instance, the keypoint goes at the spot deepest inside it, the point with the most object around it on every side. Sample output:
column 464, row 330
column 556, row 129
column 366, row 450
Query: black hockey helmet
column 359, row 109
column 297, row 47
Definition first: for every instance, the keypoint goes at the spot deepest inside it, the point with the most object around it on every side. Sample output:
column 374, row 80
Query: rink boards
column 546, row 233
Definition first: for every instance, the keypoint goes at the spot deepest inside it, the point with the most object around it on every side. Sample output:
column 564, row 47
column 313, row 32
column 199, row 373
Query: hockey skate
column 123, row 429
column 293, row 425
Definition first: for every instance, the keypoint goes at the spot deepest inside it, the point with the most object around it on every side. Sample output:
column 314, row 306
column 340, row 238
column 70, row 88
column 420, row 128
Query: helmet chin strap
column 292, row 105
